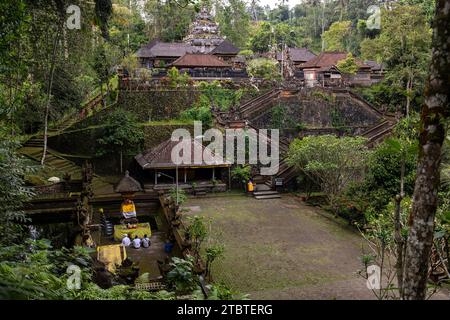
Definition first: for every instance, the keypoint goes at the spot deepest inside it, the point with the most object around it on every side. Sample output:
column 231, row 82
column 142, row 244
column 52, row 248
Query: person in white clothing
column 126, row 241
column 145, row 241
column 136, row 242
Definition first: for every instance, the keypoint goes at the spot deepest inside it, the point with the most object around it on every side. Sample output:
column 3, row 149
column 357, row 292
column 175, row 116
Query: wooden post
column 176, row 174
column 229, row 178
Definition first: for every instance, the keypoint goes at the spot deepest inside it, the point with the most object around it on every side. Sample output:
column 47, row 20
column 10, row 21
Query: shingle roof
column 327, row 59
column 161, row 156
column 156, row 48
column 373, row 64
column 164, row 49
column 225, row 47
column 128, row 185
column 199, row 60
column 298, row 54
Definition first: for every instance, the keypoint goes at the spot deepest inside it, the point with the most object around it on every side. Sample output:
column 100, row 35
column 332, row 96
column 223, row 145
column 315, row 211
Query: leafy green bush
column 383, row 95
column 182, row 277
column 241, row 173
column 348, row 65
column 201, row 111
column 13, row 192
column 382, row 182
column 264, row 68
column 197, row 232
column 324, row 96
column 246, row 53
column 181, row 195
column 220, row 97
column 33, row 270
column 221, row 291
column 333, row 163
column 176, row 79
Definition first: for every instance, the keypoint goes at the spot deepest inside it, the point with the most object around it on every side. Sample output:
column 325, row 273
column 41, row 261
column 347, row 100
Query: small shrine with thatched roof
column 128, row 186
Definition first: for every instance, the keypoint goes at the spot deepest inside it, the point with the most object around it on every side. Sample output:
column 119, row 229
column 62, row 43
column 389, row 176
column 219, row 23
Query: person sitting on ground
column 126, row 240
column 136, row 242
column 146, row 241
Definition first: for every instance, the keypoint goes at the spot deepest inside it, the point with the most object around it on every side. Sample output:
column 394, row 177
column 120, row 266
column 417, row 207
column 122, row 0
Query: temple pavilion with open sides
column 159, row 172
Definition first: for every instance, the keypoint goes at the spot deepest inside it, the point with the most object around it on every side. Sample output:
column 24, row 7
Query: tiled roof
column 225, row 47
column 373, row 64
column 327, row 59
column 161, row 156
column 298, row 54
column 156, row 49
column 199, row 60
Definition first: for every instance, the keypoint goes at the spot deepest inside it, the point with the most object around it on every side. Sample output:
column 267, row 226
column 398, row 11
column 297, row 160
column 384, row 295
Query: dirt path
column 283, row 249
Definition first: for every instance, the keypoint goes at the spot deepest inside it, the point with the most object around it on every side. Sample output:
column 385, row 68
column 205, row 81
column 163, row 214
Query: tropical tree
column 234, row 21
column 104, row 60
column 333, row 163
column 122, row 133
column 275, row 36
column 168, row 20
column 348, row 65
column 13, row 192
column 434, row 117
column 404, row 47
column 336, row 37
column 264, row 68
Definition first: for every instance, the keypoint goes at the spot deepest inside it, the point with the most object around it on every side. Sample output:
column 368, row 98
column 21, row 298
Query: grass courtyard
column 283, row 248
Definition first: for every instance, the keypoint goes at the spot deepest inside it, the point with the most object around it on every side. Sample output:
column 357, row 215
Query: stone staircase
column 76, row 117
column 258, row 104
column 379, row 132
column 61, row 166
column 286, row 172
column 35, row 142
column 34, row 147
column 264, row 192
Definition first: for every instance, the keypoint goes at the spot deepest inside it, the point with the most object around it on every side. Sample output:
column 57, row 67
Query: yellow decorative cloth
column 140, row 230
column 111, row 255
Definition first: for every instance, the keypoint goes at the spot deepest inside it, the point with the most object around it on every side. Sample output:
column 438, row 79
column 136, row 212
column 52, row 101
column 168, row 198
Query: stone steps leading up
column 268, row 196
column 264, row 193
column 258, row 104
column 62, row 165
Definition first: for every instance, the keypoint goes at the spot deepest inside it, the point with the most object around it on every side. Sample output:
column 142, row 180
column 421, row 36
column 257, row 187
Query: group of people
column 136, row 242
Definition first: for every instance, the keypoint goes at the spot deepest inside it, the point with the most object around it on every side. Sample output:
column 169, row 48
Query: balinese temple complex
column 203, row 39
column 204, row 54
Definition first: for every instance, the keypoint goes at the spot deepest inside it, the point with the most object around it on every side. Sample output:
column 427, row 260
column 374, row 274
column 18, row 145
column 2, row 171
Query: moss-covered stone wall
column 157, row 105
column 316, row 112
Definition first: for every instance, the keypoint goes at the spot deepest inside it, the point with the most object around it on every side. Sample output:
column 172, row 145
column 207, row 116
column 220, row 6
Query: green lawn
column 282, row 248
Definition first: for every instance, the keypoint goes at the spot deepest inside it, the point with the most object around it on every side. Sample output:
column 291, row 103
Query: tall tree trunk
column 399, row 241
column 49, row 93
column 323, row 26
column 121, row 161
column 434, row 113
column 408, row 96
